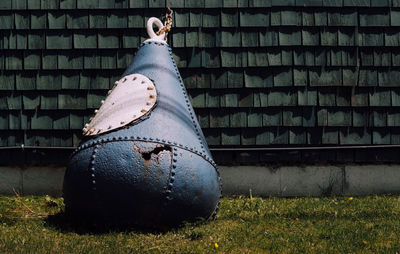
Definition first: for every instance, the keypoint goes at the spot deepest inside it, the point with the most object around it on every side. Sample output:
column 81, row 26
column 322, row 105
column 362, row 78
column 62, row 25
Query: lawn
column 243, row 225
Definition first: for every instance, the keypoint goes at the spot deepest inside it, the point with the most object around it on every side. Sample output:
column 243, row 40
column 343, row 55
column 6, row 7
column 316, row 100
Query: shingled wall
column 259, row 72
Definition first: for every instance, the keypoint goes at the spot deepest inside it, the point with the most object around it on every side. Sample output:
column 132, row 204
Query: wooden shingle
column 87, row 4
column 48, row 100
column 250, row 18
column 68, row 4
column 77, row 20
column 14, row 101
column 58, row 40
column 56, row 20
column 48, row 81
column 36, row 40
column 32, row 60
column 22, row 21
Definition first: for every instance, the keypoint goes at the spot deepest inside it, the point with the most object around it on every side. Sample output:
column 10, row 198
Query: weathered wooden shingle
column 117, row 19
column 56, row 20
column 48, row 100
column 68, row 4
column 32, row 60
column 22, row 21
column 68, row 100
column 58, row 40
column 48, row 81
column 77, row 20
column 108, row 40
column 289, row 37
column 251, row 18
column 70, row 61
column 374, row 18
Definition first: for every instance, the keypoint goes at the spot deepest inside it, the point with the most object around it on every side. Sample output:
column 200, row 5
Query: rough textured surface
column 323, row 180
column 156, row 171
column 258, row 72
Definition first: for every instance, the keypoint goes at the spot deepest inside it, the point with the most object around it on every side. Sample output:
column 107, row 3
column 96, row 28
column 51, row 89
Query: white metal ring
column 150, row 31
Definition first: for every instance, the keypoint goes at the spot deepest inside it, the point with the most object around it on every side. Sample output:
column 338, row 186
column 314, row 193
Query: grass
column 243, row 225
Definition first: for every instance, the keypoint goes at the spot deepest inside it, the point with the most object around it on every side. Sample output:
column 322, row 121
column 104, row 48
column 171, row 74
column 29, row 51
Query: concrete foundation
column 283, row 181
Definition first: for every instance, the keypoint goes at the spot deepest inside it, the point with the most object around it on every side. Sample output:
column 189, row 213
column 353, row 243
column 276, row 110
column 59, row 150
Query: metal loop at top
column 153, row 36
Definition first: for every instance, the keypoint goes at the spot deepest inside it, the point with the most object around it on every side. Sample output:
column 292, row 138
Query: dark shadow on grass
column 84, row 225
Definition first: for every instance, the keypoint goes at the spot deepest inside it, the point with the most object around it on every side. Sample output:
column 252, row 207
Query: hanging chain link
column 167, row 24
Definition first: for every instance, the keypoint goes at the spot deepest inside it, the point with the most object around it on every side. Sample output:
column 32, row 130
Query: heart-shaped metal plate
column 132, row 97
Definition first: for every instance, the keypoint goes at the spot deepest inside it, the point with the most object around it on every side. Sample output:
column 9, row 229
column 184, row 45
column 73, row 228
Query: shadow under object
column 155, row 171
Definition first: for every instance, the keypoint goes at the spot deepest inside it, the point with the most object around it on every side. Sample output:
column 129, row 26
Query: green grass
column 243, row 225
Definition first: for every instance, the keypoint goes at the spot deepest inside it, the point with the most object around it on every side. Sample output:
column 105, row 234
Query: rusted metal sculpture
column 144, row 159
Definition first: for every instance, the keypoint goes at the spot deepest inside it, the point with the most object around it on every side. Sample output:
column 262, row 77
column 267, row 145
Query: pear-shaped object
column 144, row 159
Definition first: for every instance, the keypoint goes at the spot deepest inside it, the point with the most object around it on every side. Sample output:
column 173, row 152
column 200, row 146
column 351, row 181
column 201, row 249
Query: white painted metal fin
column 132, row 97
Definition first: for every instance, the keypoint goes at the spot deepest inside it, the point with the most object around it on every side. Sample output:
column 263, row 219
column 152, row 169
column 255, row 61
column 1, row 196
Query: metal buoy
column 144, row 159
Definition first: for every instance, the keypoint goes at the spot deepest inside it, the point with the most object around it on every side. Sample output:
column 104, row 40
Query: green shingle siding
column 258, row 72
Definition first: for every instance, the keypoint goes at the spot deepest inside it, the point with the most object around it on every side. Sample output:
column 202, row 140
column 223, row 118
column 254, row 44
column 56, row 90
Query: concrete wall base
column 295, row 181
column 283, row 181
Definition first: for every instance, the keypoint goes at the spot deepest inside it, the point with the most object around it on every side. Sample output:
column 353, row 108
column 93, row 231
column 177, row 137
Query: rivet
column 109, row 127
column 168, row 191
column 134, row 78
column 122, row 122
column 124, row 79
column 174, row 166
column 109, row 92
column 175, row 154
column 116, row 82
column 163, row 140
column 174, row 160
column 150, row 88
column 172, row 179
column 96, row 110
column 134, row 116
column 102, row 101
column 92, row 169
column 148, row 103
column 87, row 125
column 98, row 131
column 93, row 156
column 151, row 96
column 119, row 138
column 91, row 118
column 170, row 185
column 143, row 111
column 92, row 175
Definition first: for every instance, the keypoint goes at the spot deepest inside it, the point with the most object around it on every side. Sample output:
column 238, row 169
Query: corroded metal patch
column 132, row 97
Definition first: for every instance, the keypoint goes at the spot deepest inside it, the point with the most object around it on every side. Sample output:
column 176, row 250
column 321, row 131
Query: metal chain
column 167, row 24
